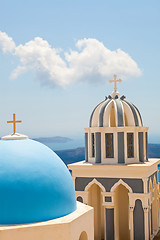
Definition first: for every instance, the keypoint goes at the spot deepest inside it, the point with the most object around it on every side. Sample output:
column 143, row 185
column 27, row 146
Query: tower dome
column 116, row 134
column 35, row 185
column 115, row 111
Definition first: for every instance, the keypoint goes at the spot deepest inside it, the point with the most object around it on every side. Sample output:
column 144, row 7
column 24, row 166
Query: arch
column 95, row 116
column 154, row 181
column 123, row 183
column 83, row 236
column 101, row 113
column 106, row 114
column 121, row 212
column 80, row 199
column 138, row 218
column 95, row 200
column 94, row 181
column 139, row 115
column 150, row 185
column 133, row 111
column 112, row 119
column 151, row 215
column 155, row 205
column 120, row 113
column 129, row 118
column 90, row 121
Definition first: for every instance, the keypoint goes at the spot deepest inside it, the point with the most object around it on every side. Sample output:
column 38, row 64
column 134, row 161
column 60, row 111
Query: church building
column 117, row 179
column 116, row 186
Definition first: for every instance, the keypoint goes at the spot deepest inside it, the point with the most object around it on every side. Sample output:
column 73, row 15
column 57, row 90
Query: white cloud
column 93, row 59
column 37, row 55
column 90, row 62
column 6, row 43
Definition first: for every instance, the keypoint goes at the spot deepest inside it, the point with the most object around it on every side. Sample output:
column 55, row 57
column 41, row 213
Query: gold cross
column 115, row 82
column 14, row 123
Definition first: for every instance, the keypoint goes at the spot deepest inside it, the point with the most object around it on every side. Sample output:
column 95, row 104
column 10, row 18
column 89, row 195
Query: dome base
column 14, row 136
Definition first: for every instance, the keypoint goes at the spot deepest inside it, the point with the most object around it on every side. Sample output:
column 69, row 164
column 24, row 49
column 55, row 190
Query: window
column 130, row 145
column 80, row 199
column 109, row 145
column 93, row 145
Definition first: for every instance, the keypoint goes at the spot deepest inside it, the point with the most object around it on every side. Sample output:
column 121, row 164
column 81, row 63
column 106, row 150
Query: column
column 141, row 146
column 86, row 147
column 98, row 147
column 146, row 227
column 121, row 147
column 131, row 223
column 145, row 185
column 149, row 214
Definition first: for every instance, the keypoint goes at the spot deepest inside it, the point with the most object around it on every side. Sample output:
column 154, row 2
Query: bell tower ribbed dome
column 115, row 111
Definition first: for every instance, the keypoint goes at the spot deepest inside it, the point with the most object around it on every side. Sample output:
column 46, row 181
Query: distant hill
column 72, row 155
column 78, row 154
column 56, row 139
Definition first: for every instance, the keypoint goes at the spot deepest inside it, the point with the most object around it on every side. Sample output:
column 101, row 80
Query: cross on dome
column 14, row 123
column 115, row 82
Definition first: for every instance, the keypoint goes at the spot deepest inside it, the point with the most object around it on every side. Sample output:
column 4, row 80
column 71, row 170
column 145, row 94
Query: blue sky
column 52, row 104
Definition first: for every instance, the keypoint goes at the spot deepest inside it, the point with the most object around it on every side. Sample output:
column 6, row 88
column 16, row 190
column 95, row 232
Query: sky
column 56, row 58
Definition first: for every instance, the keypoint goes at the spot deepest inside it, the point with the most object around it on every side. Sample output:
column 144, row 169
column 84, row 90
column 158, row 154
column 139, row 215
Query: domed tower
column 116, row 134
column 117, row 178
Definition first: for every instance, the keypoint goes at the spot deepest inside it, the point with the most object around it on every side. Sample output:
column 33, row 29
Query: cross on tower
column 115, row 82
column 14, row 123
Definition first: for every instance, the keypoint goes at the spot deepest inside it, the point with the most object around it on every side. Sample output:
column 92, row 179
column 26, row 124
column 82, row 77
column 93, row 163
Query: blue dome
column 35, row 185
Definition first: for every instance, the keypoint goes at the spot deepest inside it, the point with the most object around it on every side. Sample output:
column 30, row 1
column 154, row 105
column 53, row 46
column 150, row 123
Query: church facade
column 117, row 179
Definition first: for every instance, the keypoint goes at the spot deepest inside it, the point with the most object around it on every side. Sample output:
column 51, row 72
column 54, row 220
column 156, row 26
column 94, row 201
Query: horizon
column 82, row 138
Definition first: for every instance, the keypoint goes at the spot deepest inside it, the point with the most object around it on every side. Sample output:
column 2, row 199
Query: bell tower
column 116, row 134
column 116, row 177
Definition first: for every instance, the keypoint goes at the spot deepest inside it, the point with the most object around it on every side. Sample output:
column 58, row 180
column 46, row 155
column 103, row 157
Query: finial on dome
column 14, row 135
column 14, row 123
column 115, row 82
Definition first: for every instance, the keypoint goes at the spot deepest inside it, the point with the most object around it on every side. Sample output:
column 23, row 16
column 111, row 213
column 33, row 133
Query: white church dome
column 115, row 111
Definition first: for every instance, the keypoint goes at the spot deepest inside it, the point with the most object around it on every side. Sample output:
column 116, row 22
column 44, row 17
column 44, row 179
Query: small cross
column 115, row 82
column 14, row 123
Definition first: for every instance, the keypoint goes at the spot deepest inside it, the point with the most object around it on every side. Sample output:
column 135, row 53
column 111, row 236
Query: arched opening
column 106, row 117
column 121, row 199
column 112, row 117
column 83, row 236
column 155, row 207
column 95, row 200
column 138, row 218
column 151, row 216
column 126, row 120
column 80, row 199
